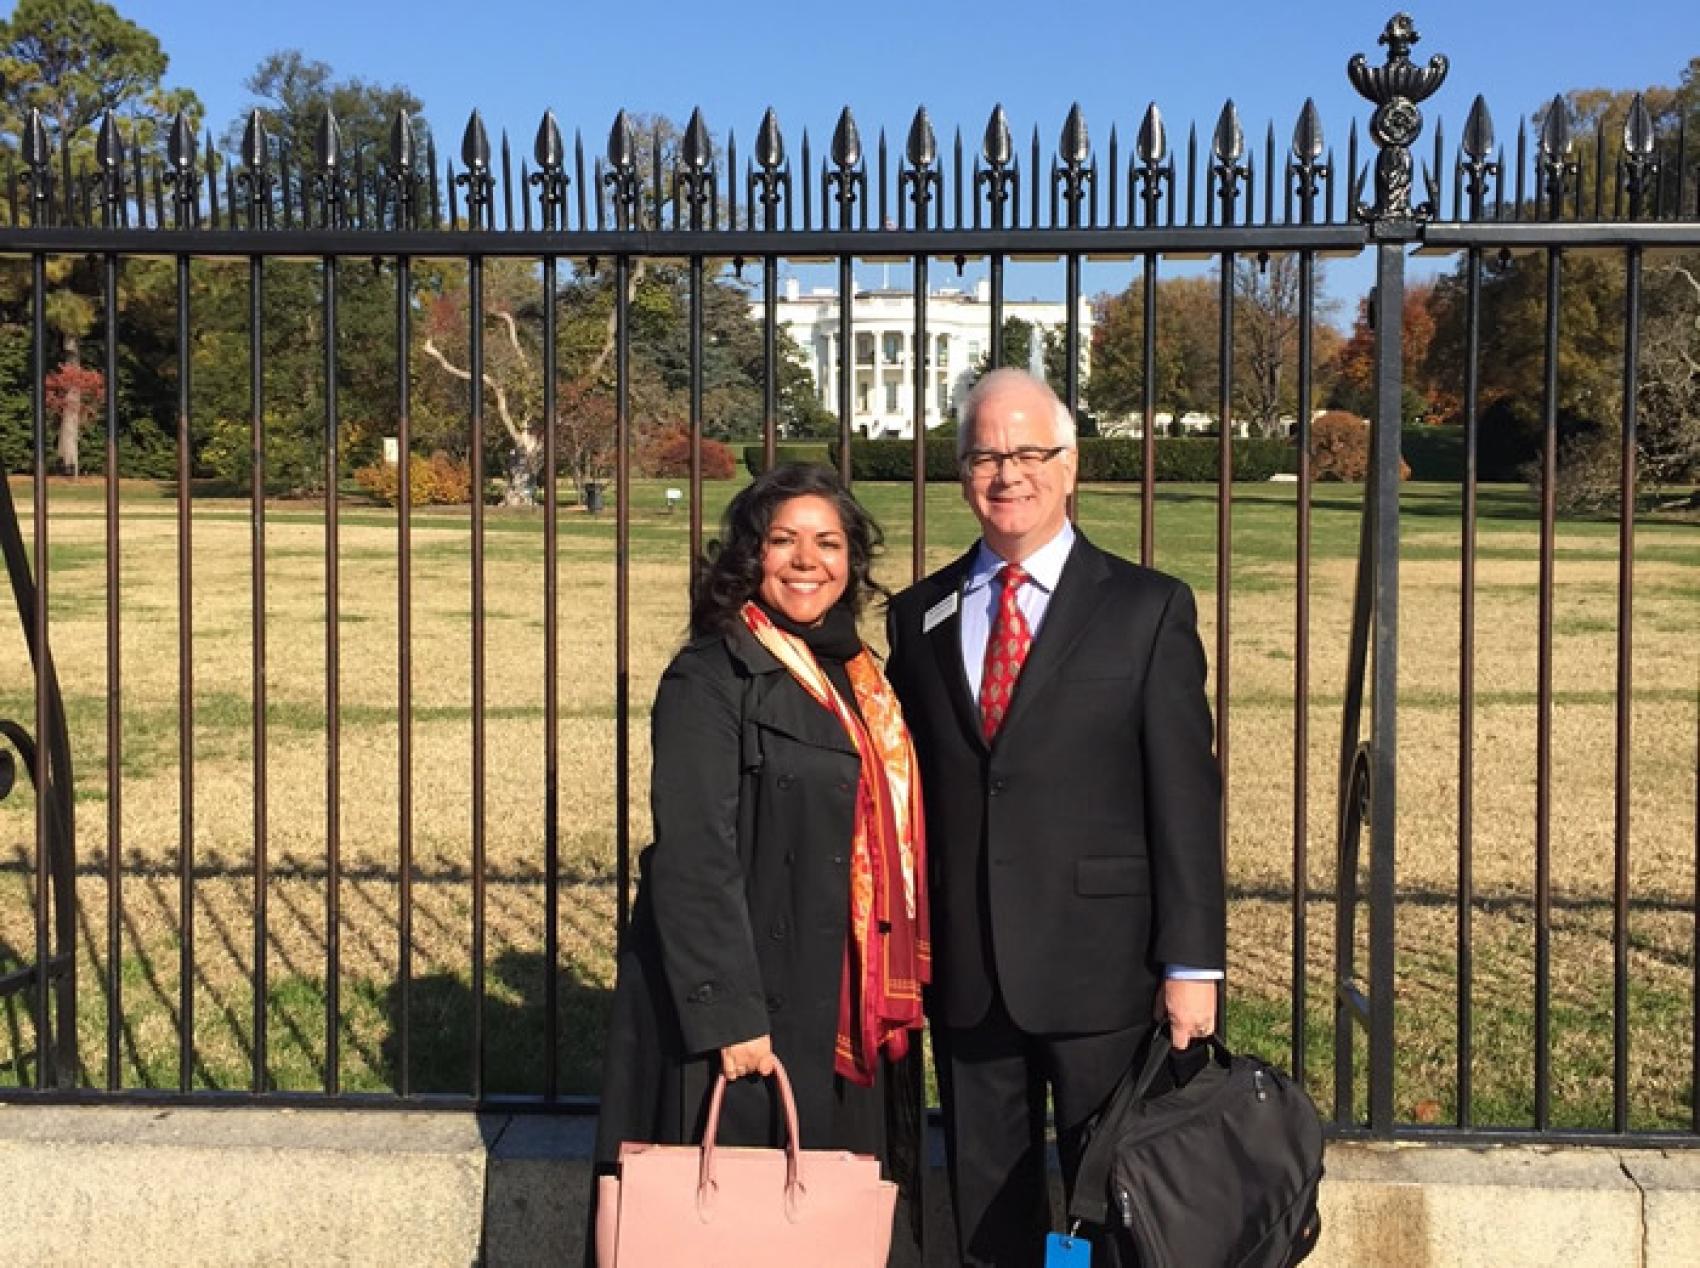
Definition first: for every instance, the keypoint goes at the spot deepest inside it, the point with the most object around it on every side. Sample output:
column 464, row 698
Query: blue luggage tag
column 1064, row 1251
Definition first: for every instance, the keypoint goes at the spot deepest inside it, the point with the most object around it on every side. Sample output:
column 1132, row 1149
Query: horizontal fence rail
column 429, row 238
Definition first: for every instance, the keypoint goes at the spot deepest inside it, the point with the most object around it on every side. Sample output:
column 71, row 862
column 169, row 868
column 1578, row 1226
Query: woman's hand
column 753, row 1056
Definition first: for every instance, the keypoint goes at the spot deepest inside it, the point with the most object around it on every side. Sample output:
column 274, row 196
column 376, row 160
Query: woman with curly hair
column 782, row 909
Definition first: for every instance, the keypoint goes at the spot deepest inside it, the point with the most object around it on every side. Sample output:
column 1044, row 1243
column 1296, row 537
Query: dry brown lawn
column 1662, row 842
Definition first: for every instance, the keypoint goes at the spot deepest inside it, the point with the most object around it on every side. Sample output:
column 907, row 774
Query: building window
column 891, row 398
column 864, row 349
column 893, row 350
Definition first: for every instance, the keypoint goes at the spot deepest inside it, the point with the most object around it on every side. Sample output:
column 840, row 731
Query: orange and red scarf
column 887, row 954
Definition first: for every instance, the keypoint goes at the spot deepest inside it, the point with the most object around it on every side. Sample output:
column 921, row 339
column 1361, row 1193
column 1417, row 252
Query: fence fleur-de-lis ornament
column 1396, row 88
column 480, row 185
column 1155, row 165
column 551, row 178
column 920, row 173
column 108, row 180
column 1072, row 176
column 695, row 178
column 847, row 177
column 998, row 175
column 1640, row 162
column 622, row 175
column 770, row 180
column 180, row 172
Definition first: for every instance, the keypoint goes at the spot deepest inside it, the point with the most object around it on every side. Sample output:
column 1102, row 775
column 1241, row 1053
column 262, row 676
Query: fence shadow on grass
column 441, row 1029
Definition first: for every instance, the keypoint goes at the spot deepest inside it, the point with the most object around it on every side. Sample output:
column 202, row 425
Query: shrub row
column 795, row 451
column 1103, row 459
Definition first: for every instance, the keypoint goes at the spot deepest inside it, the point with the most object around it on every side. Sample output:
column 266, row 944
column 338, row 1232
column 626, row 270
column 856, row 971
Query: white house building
column 882, row 395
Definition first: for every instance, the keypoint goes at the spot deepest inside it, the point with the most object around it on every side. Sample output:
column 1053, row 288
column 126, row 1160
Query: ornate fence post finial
column 1396, row 88
column 551, row 178
column 1074, row 178
column 330, row 180
column 622, row 175
column 847, row 173
column 180, row 172
column 480, row 185
column 1640, row 166
column 1556, row 146
column 1156, row 165
column 1306, row 170
column 1479, row 162
column 695, row 177
column 403, row 174
column 771, row 184
column 109, row 181
column 921, row 171
column 999, row 176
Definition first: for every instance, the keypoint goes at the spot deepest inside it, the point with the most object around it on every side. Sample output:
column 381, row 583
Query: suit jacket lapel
column 1078, row 595
column 946, row 641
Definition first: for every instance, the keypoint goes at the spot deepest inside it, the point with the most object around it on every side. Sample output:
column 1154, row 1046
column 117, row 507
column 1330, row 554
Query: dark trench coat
column 740, row 923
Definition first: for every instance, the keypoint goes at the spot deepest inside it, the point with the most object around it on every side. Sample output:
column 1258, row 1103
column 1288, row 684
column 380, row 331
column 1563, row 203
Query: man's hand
column 753, row 1056
column 1189, row 1006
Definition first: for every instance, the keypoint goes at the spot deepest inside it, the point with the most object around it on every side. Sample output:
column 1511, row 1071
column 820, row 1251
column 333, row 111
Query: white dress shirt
column 981, row 593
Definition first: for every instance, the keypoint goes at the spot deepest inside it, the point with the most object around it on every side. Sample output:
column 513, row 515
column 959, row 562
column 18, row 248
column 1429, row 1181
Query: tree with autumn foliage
column 1427, row 398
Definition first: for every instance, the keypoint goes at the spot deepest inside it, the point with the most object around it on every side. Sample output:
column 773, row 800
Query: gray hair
column 1000, row 380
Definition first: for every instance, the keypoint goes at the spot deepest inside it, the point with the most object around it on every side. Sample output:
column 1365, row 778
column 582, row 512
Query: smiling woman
column 782, row 911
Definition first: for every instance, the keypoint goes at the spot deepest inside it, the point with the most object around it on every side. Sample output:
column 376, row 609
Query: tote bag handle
column 707, row 1189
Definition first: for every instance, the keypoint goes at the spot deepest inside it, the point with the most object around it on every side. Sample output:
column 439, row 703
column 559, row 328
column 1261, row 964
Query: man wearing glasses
column 1056, row 697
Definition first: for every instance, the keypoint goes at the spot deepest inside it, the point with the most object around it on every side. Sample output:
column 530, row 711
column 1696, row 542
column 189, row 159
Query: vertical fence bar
column 1467, row 690
column 475, row 307
column 918, row 366
column 696, row 337
column 1543, row 703
column 1625, row 690
column 38, row 622
column 1384, row 734
column 114, row 687
column 622, row 590
column 1071, row 335
column 185, row 695
column 333, row 705
column 770, row 356
column 1224, row 523
column 551, row 701
column 404, row 670
column 846, row 357
column 1301, row 669
column 1148, row 406
column 257, row 559
column 996, row 270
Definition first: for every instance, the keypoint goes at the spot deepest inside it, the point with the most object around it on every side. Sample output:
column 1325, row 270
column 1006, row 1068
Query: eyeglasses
column 983, row 464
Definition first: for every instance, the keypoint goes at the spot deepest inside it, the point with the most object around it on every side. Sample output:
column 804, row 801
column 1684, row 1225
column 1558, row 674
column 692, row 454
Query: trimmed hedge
column 793, row 451
column 1434, row 453
column 1103, row 459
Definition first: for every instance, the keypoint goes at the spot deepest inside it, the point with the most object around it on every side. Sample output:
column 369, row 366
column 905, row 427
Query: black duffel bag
column 1223, row 1170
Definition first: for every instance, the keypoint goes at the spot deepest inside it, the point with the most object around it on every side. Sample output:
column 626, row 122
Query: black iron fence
column 1626, row 191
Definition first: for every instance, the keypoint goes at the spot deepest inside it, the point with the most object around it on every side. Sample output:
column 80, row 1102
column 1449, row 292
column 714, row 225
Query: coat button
column 775, row 1003
column 790, row 857
column 998, row 786
column 779, row 931
column 844, row 785
column 784, row 781
column 837, row 858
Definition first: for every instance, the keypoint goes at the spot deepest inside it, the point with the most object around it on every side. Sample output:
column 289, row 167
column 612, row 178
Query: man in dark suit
column 1056, row 697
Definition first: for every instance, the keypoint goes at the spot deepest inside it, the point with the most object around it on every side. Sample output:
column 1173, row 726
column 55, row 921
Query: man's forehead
column 1017, row 405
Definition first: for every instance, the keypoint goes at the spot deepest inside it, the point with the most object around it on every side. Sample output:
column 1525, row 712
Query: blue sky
column 513, row 58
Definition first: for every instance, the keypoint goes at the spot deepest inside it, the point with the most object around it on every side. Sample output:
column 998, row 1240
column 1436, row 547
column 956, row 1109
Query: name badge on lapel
column 941, row 611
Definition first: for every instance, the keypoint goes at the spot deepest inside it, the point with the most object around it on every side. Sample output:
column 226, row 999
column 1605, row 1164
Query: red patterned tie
column 1006, row 651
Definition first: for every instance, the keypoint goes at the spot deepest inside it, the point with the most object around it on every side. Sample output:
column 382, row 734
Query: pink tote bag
column 698, row 1206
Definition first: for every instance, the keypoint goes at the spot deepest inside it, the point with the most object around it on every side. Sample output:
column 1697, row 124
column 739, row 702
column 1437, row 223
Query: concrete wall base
column 125, row 1185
